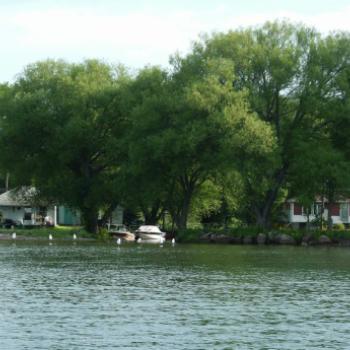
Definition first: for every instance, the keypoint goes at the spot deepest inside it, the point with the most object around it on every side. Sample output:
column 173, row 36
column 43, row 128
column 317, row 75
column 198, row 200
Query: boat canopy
column 149, row 229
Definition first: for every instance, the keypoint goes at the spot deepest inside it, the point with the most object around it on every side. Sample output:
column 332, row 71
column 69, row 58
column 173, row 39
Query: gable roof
column 16, row 198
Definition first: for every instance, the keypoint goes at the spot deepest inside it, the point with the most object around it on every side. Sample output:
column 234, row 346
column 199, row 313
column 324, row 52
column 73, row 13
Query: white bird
column 74, row 236
column 162, row 240
column 14, row 235
column 119, row 241
column 173, row 241
column 50, row 237
column 138, row 240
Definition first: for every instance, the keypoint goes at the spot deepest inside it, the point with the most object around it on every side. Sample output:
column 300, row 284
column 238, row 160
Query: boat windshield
column 149, row 229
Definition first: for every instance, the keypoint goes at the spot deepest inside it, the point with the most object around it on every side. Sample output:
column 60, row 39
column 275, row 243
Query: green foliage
column 63, row 133
column 206, row 200
column 245, row 231
column 103, row 235
column 189, row 235
column 188, row 127
column 295, row 80
column 245, row 120
column 339, row 227
column 338, row 235
column 58, row 233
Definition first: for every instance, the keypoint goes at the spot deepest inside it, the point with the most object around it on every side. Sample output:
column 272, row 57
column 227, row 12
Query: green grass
column 58, row 232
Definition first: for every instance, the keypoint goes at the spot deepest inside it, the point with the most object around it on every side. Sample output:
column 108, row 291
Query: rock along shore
column 274, row 239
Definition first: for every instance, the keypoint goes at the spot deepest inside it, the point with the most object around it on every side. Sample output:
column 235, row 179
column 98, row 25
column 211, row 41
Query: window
column 27, row 216
column 298, row 209
column 317, row 209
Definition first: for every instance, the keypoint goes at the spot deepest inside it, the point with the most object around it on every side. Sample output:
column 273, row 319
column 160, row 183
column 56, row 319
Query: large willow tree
column 297, row 80
column 63, row 131
column 188, row 126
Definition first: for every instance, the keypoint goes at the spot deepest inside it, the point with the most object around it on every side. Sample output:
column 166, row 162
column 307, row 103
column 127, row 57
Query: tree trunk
column 90, row 219
column 322, row 211
column 331, row 201
column 188, row 183
column 153, row 214
column 262, row 217
column 182, row 217
column 263, row 212
column 329, row 216
column 7, row 180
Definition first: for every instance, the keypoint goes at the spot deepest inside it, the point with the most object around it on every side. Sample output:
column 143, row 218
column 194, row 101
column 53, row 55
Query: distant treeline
column 245, row 120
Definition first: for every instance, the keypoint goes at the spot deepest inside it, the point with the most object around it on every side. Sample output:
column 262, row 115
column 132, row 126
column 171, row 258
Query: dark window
column 298, row 209
column 27, row 216
column 335, row 209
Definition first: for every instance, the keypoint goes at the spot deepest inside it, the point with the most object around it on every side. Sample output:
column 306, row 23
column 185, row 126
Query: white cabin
column 15, row 206
column 297, row 215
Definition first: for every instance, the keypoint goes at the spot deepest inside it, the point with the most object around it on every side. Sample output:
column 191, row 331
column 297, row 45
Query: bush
column 339, row 227
column 189, row 235
column 336, row 235
column 194, row 234
column 103, row 235
column 249, row 231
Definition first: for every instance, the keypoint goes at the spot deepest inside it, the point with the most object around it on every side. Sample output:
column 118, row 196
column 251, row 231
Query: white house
column 297, row 215
column 16, row 206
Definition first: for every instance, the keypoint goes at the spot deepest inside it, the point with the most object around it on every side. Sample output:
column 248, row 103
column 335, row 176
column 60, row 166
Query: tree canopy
column 297, row 81
column 63, row 133
column 244, row 120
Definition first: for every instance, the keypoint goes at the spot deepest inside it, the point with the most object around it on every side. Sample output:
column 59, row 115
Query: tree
column 64, row 131
column 145, row 175
column 294, row 77
column 5, row 107
column 323, row 173
column 192, row 125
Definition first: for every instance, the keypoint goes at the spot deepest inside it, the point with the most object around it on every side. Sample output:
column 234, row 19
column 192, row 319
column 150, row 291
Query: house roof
column 318, row 199
column 14, row 198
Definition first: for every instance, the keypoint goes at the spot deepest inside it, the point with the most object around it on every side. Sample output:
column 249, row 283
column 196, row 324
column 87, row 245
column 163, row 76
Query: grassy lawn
column 58, row 232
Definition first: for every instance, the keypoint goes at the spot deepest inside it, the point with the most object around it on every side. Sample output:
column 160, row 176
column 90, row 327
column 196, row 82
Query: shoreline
column 218, row 240
column 233, row 237
column 276, row 239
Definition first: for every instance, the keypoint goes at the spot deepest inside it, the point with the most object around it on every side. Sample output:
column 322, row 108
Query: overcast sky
column 138, row 32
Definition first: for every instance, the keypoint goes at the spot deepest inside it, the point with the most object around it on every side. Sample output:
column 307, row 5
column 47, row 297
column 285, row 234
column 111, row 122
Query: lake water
column 91, row 296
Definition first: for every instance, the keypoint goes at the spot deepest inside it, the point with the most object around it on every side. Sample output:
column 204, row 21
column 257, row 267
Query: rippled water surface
column 90, row 296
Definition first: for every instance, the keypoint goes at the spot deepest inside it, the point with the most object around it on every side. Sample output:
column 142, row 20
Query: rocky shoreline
column 274, row 239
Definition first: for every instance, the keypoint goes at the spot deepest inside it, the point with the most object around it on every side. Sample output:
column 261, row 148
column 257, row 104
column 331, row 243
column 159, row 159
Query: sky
column 139, row 32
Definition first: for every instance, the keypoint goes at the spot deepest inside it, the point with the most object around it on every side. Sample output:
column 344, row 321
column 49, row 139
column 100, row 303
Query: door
column 344, row 212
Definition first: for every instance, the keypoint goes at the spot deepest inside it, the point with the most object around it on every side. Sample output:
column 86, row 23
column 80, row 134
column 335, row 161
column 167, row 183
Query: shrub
column 339, row 227
column 189, row 235
column 103, row 235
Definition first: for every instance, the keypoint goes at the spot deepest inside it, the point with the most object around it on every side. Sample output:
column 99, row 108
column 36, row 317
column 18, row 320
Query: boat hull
column 129, row 237
column 150, row 237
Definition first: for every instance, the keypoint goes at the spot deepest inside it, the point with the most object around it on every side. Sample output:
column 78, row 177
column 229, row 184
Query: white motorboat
column 149, row 234
column 120, row 231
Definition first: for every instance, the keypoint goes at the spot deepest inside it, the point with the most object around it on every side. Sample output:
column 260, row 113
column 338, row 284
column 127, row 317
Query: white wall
column 14, row 213
column 17, row 213
column 117, row 216
column 303, row 218
column 52, row 212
